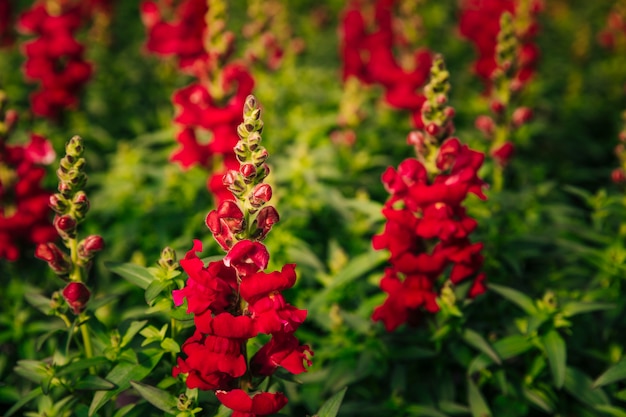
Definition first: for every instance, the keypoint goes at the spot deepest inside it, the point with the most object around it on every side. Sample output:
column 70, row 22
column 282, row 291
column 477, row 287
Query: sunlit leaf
column 331, row 407
column 133, row 273
column 557, row 356
column 615, row 373
column 522, row 300
column 159, row 398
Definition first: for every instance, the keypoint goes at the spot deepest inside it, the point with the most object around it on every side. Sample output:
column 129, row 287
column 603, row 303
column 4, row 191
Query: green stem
column 84, row 331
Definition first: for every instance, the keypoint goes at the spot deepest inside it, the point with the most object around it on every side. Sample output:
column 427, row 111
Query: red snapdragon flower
column 262, row 404
column 24, row 214
column 479, row 22
column 54, row 58
column 367, row 53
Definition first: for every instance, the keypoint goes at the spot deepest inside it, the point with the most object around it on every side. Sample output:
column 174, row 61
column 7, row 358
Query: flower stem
column 84, row 331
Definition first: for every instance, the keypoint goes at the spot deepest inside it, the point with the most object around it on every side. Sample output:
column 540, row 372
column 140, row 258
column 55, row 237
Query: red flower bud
column 76, row 295
column 503, row 154
column 65, row 225
column 10, row 118
column 485, row 124
column 432, row 129
column 497, row 107
column 261, row 194
column 522, row 115
column 248, row 171
column 441, row 99
column 58, row 203
column 449, row 112
column 89, row 246
column 266, row 218
column 622, row 136
column 618, row 176
column 58, row 260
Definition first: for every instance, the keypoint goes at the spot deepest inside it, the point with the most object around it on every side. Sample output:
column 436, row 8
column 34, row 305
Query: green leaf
column 478, row 405
column 154, row 289
column 123, row 373
column 577, row 307
column 611, row 410
column 522, row 300
column 93, row 383
column 331, row 407
column 539, row 399
column 170, row 345
column 37, row 392
column 81, row 364
column 32, row 370
column 476, row 340
column 506, row 348
column 615, row 373
column 557, row 356
column 580, row 386
column 133, row 329
column 159, row 398
column 39, row 301
column 133, row 273
column 453, row 408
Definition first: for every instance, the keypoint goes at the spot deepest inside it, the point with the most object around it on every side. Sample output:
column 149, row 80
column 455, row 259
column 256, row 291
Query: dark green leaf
column 580, row 386
column 506, row 348
column 133, row 273
column 39, row 301
column 37, row 392
column 522, row 300
column 478, row 405
column 539, row 399
column 422, row 410
column 476, row 340
column 93, row 383
column 133, row 329
column 557, row 356
column 615, row 373
column 123, row 373
column 81, row 364
column 159, row 398
column 331, row 407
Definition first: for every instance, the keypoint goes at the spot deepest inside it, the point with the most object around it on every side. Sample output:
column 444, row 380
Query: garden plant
column 312, row 208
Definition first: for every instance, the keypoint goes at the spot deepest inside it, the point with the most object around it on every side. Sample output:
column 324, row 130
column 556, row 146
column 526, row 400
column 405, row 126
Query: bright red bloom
column 262, row 404
column 283, row 350
column 54, row 58
column 225, row 222
column 247, row 257
column 212, row 362
column 24, row 212
column 208, row 289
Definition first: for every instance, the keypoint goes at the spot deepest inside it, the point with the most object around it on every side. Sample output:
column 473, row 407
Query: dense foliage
column 353, row 208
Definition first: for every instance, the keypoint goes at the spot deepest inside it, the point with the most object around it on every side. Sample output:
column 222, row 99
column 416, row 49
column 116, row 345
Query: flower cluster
column 24, row 212
column 618, row 175
column 427, row 229
column 480, row 23
column 233, row 300
column 613, row 35
column 54, row 58
column 367, row 53
column 209, row 108
column 506, row 84
column 71, row 206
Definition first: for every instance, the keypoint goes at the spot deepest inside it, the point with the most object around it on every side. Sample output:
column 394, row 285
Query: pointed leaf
column 81, row 364
column 573, row 308
column 580, row 386
column 123, row 373
column 506, row 348
column 476, row 340
column 133, row 329
column 93, row 383
column 478, row 405
column 331, row 407
column 522, row 300
column 611, row 410
column 557, row 356
column 133, row 273
column 615, row 373
column 422, row 410
column 159, row 398
column 539, row 398
column 154, row 289
column 37, row 392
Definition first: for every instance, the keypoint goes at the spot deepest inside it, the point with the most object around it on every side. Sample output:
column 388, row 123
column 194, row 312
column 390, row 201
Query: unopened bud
column 485, row 124
column 441, row 99
column 521, row 115
column 74, row 147
column 417, row 139
column 503, row 154
column 76, row 295
column 89, row 246
column 497, row 107
column 81, row 204
column 232, row 180
column 259, row 158
column 58, row 260
column 249, row 172
column 167, row 261
column 618, row 176
column 65, row 225
column 432, row 129
column 266, row 218
column 10, row 119
column 449, row 112
column 58, row 203
column 261, row 194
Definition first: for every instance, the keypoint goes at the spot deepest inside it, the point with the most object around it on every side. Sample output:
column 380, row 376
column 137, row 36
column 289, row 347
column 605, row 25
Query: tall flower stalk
column 427, row 230
column 73, row 263
column 233, row 300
